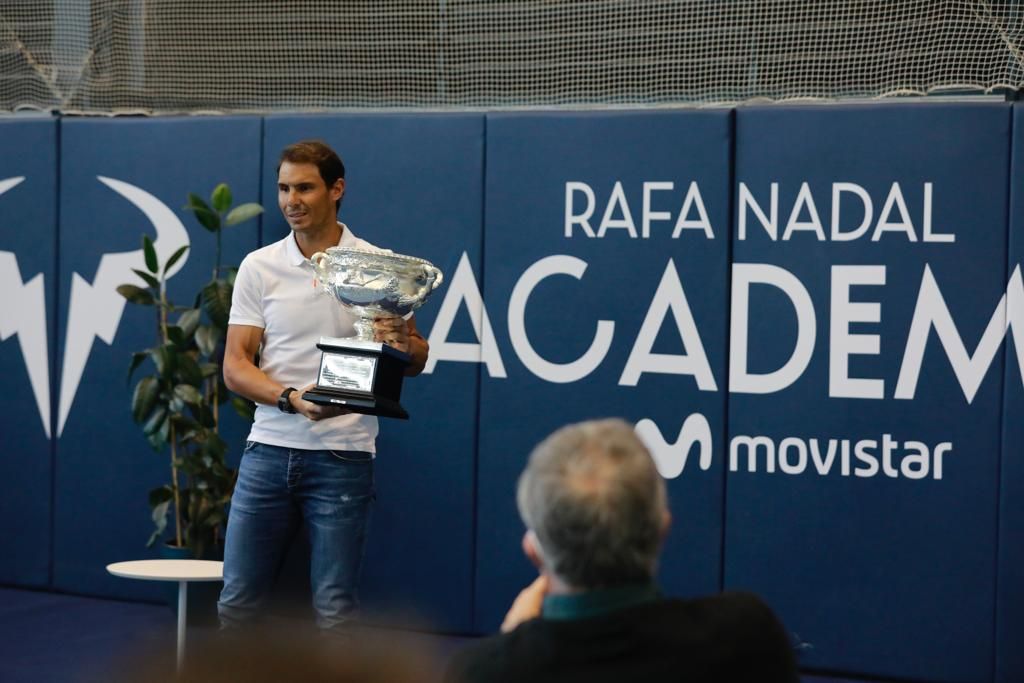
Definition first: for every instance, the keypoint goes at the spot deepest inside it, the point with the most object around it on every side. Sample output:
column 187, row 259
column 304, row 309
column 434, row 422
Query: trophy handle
column 317, row 259
column 434, row 276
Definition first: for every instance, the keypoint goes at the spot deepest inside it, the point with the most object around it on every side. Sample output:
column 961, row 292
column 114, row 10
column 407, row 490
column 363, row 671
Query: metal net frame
column 260, row 56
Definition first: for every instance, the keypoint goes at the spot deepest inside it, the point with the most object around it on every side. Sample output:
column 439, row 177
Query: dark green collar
column 594, row 603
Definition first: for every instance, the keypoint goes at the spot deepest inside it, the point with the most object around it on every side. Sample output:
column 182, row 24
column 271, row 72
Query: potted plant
column 178, row 403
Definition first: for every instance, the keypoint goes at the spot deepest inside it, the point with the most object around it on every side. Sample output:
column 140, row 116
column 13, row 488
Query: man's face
column 305, row 200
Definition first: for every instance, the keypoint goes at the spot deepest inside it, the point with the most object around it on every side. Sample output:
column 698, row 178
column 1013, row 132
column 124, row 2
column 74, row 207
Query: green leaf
column 176, row 335
column 150, row 253
column 160, row 509
column 174, row 258
column 187, row 437
column 160, row 520
column 205, row 416
column 137, row 359
column 196, row 202
column 215, row 518
column 189, row 321
column 216, row 447
column 144, row 398
column 155, row 422
column 161, row 494
column 217, row 302
column 149, row 279
column 207, row 218
column 206, row 339
column 164, row 357
column 186, row 426
column 157, row 441
column 189, row 394
column 137, row 295
column 221, row 198
column 209, row 369
column 190, row 468
column 244, row 407
column 242, row 212
column 188, row 370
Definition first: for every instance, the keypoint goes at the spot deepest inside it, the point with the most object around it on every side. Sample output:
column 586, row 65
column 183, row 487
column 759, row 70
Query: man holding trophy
column 310, row 453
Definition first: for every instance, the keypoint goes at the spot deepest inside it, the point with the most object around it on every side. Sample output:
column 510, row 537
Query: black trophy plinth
column 364, row 377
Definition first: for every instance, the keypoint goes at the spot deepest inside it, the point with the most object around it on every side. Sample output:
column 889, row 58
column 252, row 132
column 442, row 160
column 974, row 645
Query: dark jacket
column 728, row 638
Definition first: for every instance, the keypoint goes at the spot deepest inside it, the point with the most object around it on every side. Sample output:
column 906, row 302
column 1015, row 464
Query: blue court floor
column 51, row 637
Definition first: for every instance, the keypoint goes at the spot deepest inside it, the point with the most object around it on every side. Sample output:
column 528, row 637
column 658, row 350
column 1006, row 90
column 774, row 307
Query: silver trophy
column 357, row 372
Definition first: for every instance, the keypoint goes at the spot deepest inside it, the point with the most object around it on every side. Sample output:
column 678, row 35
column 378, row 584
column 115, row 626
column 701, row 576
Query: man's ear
column 338, row 189
column 666, row 524
column 531, row 548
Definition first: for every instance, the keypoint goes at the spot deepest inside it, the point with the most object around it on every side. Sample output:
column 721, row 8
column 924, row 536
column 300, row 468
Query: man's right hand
column 314, row 411
column 527, row 605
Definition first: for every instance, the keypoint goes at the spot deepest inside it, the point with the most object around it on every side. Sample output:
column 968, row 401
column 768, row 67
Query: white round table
column 181, row 571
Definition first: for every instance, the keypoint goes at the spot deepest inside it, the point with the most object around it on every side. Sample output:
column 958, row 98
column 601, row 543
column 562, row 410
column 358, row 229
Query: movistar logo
column 671, row 457
column 94, row 309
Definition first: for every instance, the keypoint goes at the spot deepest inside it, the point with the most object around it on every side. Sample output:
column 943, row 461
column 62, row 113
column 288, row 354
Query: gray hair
column 595, row 501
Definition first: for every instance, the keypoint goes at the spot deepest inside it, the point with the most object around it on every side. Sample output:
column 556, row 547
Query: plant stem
column 170, row 432
column 174, row 485
column 216, row 263
column 216, row 276
column 163, row 308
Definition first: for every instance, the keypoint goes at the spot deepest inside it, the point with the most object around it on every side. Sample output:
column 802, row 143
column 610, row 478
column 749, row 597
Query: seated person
column 596, row 514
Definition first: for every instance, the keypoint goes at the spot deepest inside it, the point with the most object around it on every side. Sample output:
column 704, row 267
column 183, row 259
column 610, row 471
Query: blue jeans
column 277, row 487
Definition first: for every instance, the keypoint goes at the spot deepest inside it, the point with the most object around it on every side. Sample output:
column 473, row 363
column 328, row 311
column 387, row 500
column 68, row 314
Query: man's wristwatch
column 283, row 404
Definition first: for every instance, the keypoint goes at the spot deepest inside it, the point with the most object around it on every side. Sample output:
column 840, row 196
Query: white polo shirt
column 276, row 290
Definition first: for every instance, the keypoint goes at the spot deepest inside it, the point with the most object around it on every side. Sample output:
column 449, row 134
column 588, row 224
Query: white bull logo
column 94, row 310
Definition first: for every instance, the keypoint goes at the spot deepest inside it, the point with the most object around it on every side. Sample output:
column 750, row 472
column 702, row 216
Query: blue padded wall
column 539, row 169
column 104, row 466
column 28, row 243
column 1010, row 582
column 414, row 184
column 909, row 577
column 876, row 573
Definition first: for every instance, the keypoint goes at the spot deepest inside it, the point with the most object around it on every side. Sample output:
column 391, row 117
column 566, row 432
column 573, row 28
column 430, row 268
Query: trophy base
column 364, row 377
column 357, row 403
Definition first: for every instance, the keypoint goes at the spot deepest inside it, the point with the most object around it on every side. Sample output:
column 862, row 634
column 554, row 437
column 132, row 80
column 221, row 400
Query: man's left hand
column 392, row 331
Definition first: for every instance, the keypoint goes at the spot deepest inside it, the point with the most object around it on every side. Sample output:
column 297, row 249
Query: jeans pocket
column 357, row 457
column 249, row 445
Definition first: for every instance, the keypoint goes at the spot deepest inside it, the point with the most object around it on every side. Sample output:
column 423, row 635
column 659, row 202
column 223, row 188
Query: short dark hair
column 318, row 153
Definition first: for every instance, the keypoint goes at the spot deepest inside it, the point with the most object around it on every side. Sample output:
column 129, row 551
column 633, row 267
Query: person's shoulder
column 481, row 660
column 350, row 240
column 734, row 598
column 747, row 627
column 742, row 605
column 722, row 611
column 363, row 245
column 267, row 251
column 266, row 256
column 503, row 657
